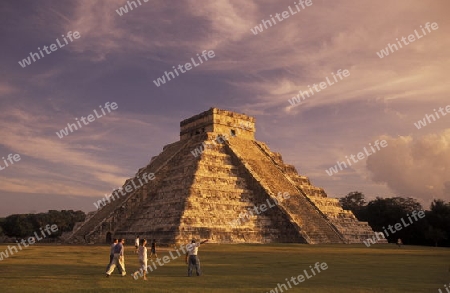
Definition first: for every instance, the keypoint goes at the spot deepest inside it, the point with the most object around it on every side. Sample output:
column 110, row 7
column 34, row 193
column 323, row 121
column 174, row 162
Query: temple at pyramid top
column 234, row 190
column 218, row 121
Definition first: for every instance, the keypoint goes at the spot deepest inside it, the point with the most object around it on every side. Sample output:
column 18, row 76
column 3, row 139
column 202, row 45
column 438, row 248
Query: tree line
column 24, row 225
column 432, row 230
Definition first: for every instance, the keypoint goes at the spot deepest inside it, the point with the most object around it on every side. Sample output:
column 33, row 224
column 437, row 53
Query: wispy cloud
column 80, row 157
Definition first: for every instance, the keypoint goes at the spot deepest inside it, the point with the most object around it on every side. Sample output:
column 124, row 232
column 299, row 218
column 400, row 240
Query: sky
column 116, row 58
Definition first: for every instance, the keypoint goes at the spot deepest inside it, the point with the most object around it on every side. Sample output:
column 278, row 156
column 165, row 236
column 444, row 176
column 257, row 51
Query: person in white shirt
column 136, row 244
column 142, row 256
column 192, row 257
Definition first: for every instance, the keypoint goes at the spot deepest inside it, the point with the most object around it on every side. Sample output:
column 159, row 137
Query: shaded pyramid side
column 309, row 220
column 353, row 230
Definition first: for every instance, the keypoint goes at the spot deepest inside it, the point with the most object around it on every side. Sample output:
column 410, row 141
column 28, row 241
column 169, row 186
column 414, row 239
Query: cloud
column 82, row 160
column 118, row 56
column 301, row 51
column 229, row 20
column 46, row 187
column 190, row 26
column 30, row 133
column 414, row 167
column 7, row 89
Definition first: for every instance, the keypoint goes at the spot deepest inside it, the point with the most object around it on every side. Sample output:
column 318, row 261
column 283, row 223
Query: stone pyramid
column 218, row 182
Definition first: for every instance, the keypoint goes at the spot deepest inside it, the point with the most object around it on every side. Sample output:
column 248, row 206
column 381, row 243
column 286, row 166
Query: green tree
column 385, row 212
column 439, row 221
column 23, row 225
column 17, row 226
column 355, row 202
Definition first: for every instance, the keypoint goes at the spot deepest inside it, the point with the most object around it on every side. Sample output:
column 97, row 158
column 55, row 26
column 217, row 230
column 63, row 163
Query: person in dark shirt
column 119, row 259
column 111, row 253
column 153, row 249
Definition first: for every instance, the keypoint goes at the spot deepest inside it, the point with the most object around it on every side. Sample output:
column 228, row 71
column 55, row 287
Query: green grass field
column 232, row 268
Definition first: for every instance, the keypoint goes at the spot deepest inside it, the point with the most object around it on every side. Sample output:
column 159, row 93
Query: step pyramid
column 218, row 182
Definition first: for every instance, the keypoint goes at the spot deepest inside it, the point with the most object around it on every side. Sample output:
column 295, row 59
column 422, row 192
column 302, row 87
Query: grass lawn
column 232, row 268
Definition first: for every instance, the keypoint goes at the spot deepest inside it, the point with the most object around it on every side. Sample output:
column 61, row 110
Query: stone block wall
column 220, row 122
